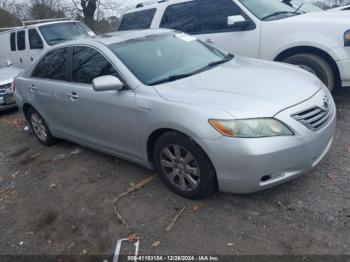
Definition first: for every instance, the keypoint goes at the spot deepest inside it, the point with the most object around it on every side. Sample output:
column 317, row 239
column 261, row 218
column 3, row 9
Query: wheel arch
column 26, row 107
column 156, row 134
column 311, row 50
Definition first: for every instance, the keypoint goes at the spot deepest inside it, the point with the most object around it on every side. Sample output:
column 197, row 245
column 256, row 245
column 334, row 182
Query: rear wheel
column 183, row 165
column 40, row 128
column 315, row 65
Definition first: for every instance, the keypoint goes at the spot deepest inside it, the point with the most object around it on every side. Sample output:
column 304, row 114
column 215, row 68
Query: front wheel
column 315, row 65
column 40, row 128
column 184, row 167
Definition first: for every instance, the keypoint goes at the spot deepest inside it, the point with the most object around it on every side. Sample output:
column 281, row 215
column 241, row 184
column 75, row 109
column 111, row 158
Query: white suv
column 268, row 29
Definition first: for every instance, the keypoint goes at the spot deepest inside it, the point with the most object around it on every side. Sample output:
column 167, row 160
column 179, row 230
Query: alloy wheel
column 38, row 126
column 180, row 167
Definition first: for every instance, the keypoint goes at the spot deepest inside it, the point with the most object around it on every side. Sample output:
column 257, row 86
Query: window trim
column 154, row 10
column 197, row 19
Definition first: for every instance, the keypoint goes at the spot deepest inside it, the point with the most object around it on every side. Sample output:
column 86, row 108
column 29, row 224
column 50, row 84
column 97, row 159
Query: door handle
column 73, row 96
column 32, row 88
column 209, row 41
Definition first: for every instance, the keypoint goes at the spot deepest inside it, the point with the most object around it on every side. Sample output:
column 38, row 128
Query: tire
column 316, row 65
column 192, row 175
column 40, row 128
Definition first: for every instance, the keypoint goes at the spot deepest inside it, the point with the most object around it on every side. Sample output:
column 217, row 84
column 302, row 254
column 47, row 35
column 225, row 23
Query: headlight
column 251, row 128
column 347, row 38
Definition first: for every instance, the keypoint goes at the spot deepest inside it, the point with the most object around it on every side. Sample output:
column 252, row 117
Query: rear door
column 49, row 87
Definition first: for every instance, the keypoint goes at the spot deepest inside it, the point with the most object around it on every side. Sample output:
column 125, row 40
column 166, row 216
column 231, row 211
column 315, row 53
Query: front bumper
column 344, row 70
column 7, row 101
column 241, row 164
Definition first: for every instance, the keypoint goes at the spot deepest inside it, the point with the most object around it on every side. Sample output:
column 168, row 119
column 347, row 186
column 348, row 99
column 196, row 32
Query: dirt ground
column 58, row 200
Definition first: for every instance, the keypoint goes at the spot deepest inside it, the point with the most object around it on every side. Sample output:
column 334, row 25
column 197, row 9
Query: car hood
column 8, row 74
column 324, row 17
column 244, row 88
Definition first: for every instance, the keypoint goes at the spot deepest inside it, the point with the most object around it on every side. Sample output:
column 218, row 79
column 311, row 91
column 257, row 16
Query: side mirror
column 107, row 83
column 8, row 63
column 237, row 22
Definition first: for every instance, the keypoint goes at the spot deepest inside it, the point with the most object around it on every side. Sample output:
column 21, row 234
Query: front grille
column 314, row 118
column 5, row 89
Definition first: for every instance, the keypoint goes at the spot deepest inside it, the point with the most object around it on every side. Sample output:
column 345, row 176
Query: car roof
column 154, row 4
column 116, row 37
column 36, row 25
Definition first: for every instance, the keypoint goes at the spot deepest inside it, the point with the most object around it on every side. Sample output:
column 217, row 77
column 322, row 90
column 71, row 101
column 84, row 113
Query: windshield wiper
column 226, row 59
column 179, row 76
column 172, row 78
column 277, row 13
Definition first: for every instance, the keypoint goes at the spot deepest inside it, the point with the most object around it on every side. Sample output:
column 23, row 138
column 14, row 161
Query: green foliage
column 42, row 11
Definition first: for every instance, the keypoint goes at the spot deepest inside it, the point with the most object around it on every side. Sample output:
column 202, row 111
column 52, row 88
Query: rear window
column 137, row 20
column 13, row 41
column 180, row 17
column 21, row 40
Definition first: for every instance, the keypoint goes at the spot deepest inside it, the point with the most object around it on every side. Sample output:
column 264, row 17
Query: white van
column 21, row 45
column 268, row 29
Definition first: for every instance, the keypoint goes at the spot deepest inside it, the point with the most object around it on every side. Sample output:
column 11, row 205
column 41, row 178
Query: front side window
column 167, row 57
column 213, row 15
column 137, row 20
column 62, row 32
column 87, row 64
column 13, row 41
column 21, row 40
column 180, row 17
column 35, row 41
column 52, row 66
column 269, row 9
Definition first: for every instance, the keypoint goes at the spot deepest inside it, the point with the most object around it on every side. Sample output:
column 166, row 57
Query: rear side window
column 181, row 17
column 21, row 40
column 52, row 66
column 35, row 41
column 137, row 20
column 87, row 64
column 213, row 15
column 13, row 41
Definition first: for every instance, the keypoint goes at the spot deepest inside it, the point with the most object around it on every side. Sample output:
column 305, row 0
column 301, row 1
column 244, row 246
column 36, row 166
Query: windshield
column 269, row 9
column 61, row 32
column 305, row 6
column 161, row 58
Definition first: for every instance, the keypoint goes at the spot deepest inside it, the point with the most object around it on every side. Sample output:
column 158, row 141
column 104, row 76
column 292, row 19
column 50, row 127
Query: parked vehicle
column 269, row 29
column 22, row 45
column 200, row 116
column 7, row 74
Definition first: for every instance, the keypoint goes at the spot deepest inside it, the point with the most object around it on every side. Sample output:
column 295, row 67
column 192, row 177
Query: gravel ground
column 58, row 200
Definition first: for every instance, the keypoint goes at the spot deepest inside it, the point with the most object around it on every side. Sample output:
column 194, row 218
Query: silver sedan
column 203, row 118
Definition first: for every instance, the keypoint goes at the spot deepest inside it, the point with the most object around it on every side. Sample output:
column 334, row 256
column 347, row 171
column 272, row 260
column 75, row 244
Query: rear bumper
column 242, row 164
